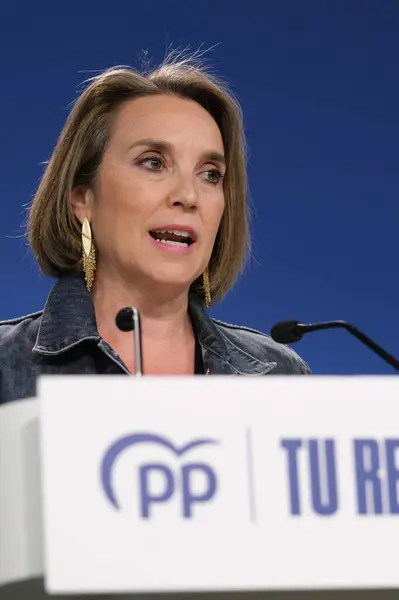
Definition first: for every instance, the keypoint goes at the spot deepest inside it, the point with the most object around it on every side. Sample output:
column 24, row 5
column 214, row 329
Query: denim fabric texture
column 63, row 339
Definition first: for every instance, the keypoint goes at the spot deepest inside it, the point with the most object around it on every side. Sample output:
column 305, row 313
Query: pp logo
column 176, row 481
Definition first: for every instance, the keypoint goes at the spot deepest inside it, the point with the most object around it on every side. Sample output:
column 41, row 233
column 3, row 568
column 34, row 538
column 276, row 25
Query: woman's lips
column 177, row 248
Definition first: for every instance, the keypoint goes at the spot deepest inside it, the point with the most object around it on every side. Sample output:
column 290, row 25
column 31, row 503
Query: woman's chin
column 166, row 284
column 172, row 277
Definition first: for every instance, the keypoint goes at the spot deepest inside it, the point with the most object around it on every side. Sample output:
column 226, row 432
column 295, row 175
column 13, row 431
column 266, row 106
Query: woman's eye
column 213, row 176
column 153, row 162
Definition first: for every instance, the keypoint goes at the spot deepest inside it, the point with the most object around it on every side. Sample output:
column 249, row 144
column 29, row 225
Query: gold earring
column 207, row 287
column 89, row 253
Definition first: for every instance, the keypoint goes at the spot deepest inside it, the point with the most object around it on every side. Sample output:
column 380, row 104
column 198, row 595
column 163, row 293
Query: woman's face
column 158, row 199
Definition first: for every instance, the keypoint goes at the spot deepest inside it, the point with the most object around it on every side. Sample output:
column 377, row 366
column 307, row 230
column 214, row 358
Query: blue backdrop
column 318, row 82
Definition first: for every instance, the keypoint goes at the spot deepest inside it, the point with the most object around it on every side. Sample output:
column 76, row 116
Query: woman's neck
column 165, row 323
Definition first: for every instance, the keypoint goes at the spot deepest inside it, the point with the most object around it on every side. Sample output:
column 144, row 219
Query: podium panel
column 227, row 487
column 21, row 523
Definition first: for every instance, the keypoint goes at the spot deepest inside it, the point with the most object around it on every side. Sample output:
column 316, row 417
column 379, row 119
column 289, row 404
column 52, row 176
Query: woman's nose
column 185, row 193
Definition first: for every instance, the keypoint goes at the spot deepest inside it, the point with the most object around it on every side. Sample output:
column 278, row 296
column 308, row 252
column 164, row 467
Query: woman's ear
column 81, row 199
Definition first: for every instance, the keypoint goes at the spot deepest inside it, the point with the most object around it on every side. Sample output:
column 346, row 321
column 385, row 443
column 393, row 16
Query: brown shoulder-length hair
column 54, row 232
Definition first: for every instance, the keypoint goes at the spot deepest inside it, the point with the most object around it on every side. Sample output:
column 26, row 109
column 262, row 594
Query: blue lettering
column 146, row 497
column 292, row 447
column 188, row 497
column 367, row 476
column 323, row 477
column 392, row 447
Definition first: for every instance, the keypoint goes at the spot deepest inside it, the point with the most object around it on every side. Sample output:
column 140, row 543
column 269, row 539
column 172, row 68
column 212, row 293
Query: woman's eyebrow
column 159, row 145
column 213, row 156
column 163, row 146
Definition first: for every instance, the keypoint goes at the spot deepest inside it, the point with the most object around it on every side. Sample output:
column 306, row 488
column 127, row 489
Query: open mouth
column 172, row 237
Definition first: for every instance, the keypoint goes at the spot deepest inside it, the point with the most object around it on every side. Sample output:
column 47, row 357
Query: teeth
column 174, row 231
column 171, row 243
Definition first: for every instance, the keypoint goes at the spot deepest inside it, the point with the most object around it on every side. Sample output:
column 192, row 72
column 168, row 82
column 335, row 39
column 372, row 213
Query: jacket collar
column 68, row 319
column 220, row 355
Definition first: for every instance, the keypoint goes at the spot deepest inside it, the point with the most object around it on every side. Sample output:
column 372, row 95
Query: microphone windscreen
column 285, row 332
column 124, row 319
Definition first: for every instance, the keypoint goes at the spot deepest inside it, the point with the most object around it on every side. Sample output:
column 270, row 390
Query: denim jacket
column 63, row 339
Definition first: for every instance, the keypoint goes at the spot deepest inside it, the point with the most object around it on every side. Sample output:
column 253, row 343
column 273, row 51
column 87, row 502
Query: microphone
column 288, row 332
column 128, row 319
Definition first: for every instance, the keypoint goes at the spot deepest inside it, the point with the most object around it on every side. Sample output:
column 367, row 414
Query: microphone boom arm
column 299, row 329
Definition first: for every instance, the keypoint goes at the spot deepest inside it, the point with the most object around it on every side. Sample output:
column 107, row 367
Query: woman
column 143, row 203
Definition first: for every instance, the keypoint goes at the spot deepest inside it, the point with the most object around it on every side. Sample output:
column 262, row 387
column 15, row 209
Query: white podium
column 230, row 487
